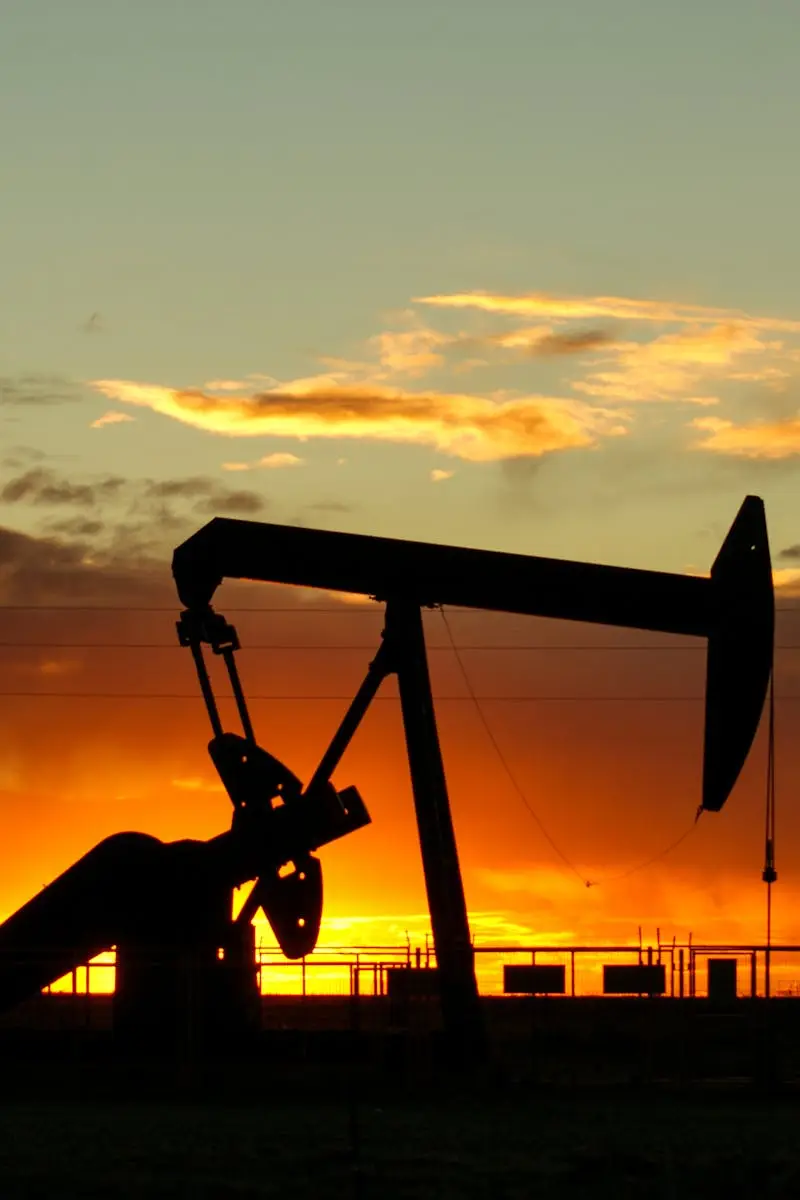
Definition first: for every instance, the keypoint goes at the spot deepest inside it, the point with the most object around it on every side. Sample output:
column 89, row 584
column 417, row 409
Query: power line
column 504, row 762
column 520, row 792
column 354, row 610
column 656, row 857
column 365, row 646
column 548, row 699
column 343, row 609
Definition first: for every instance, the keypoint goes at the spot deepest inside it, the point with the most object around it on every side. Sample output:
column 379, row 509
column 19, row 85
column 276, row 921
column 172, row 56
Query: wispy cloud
column 111, row 418
column 617, row 352
column 570, row 308
column 686, row 365
column 24, row 390
column 416, row 349
column 754, row 439
column 240, row 385
column 270, row 462
column 474, row 428
column 439, row 476
column 413, row 352
column 644, row 351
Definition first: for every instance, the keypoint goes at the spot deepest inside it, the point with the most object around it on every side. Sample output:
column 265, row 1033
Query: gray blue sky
column 203, row 193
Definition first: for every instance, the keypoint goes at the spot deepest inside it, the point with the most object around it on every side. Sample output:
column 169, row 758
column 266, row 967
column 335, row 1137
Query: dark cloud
column 554, row 345
column 43, row 486
column 521, row 490
column 211, row 496
column 78, row 527
column 40, row 570
column 170, row 489
column 330, row 506
column 791, row 553
column 228, row 503
column 557, row 344
column 34, row 389
column 19, row 458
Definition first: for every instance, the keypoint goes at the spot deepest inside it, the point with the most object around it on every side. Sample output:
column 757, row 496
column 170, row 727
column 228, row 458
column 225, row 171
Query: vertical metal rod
column 680, row 972
column 768, row 950
column 769, row 874
column 241, row 703
column 205, row 687
column 461, row 1008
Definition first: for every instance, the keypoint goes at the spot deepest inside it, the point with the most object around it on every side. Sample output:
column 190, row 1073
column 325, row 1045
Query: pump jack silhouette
column 183, row 961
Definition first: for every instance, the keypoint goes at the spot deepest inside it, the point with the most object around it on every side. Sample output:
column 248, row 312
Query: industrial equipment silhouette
column 167, row 908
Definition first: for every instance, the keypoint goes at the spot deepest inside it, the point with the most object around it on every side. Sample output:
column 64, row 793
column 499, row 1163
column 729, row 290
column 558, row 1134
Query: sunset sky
column 520, row 277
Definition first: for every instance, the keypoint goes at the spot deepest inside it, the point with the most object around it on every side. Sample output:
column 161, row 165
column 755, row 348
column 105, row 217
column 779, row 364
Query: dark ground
column 596, row 1099
column 456, row 1145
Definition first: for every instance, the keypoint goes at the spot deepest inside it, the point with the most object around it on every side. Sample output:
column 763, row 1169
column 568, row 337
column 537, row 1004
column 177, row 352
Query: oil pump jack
column 167, row 908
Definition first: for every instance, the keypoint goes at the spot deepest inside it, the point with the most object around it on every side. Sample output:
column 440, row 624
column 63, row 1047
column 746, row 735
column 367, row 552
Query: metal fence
column 364, row 971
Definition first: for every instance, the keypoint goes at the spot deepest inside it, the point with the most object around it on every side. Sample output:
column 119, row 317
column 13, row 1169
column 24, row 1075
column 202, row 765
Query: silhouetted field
column 587, row 1099
column 465, row 1145
column 589, row 1040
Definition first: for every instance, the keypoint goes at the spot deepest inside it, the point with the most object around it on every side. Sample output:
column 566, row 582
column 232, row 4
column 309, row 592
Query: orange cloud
column 787, row 579
column 474, row 428
column 674, row 365
column 271, row 462
column 438, row 475
column 705, row 348
column 756, row 439
column 240, row 385
column 411, row 352
column 111, row 418
column 570, row 308
column 418, row 350
column 195, row 784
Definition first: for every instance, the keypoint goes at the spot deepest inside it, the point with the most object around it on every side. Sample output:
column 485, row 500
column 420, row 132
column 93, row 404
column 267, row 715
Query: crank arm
column 292, row 904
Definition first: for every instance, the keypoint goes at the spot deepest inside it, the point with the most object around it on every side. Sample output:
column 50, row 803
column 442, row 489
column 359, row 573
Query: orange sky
column 388, row 286
column 614, row 782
